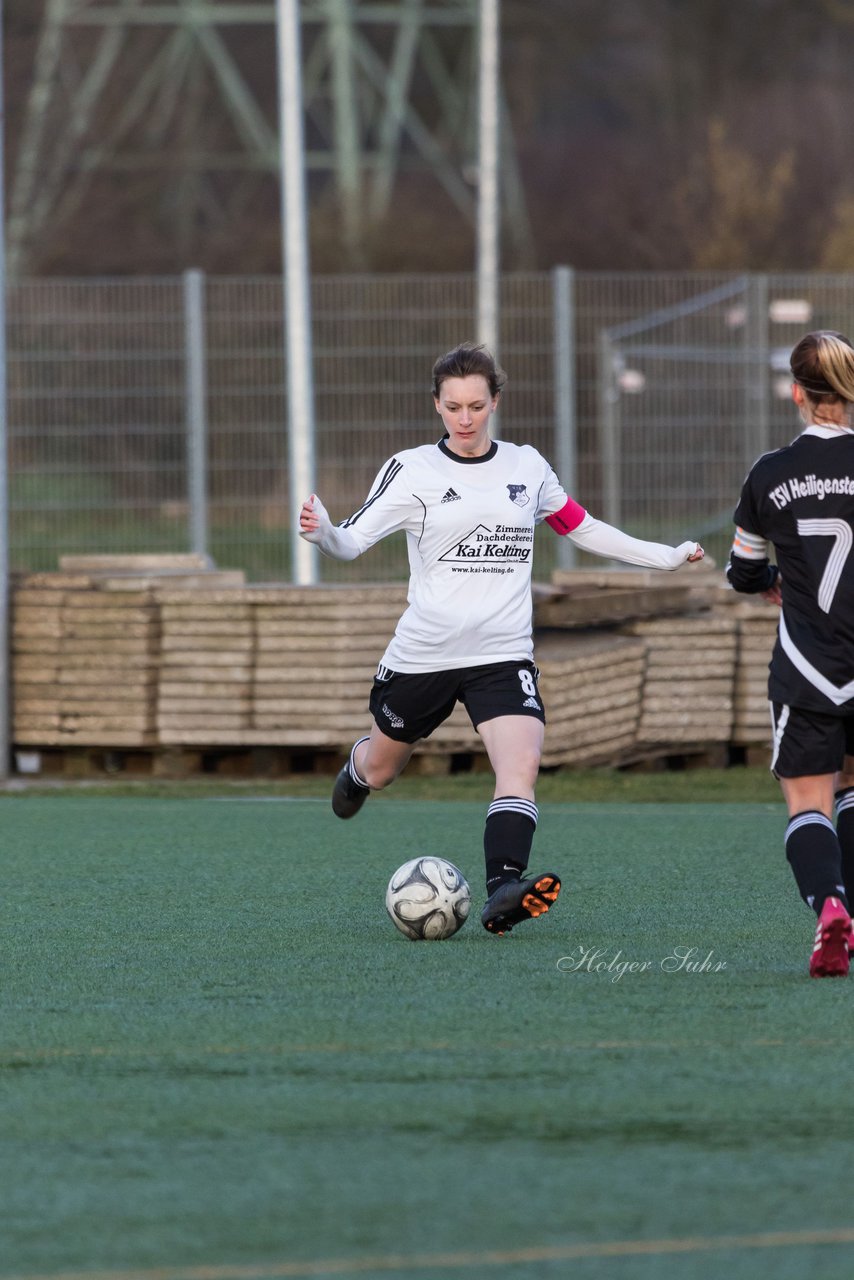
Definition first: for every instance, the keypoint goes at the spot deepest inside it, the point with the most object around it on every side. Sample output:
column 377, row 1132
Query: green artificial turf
column 218, row 1058
column 563, row 786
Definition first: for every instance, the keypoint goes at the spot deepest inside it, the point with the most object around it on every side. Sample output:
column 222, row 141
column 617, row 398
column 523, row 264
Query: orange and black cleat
column 518, row 900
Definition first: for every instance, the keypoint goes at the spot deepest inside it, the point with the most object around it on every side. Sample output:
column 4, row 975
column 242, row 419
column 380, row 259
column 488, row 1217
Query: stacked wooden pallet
column 690, row 674
column 578, row 598
column 85, row 660
column 757, row 629
column 207, row 655
column 277, row 666
column 167, row 651
column 591, row 687
column 87, row 647
column 135, row 572
column 316, row 656
column 36, row 642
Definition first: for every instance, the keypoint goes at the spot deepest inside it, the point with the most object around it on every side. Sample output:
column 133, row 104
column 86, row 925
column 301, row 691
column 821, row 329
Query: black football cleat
column 347, row 795
column 518, row 900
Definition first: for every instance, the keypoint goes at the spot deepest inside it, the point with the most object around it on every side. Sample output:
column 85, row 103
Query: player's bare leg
column 374, row 763
column 814, row 792
column 514, row 745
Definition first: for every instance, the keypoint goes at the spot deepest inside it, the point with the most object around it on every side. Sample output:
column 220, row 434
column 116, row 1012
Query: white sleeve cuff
column 604, row 540
column 330, row 538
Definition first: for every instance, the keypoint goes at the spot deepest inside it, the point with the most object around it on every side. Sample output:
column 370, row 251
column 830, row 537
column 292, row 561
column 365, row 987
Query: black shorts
column 807, row 743
column 409, row 706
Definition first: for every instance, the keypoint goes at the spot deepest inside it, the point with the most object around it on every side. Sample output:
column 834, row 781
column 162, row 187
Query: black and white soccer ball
column 428, row 898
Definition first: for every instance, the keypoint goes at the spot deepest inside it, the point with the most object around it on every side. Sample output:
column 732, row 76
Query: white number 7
column 843, row 538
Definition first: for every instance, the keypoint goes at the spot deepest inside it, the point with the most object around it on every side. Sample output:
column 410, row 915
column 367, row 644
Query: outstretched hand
column 311, row 518
column 696, row 555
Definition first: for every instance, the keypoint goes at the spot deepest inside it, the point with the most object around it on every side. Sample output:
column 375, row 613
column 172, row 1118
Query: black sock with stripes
column 845, row 832
column 812, row 849
column 507, row 839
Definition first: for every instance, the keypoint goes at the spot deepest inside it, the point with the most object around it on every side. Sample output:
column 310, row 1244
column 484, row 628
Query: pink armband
column 568, row 518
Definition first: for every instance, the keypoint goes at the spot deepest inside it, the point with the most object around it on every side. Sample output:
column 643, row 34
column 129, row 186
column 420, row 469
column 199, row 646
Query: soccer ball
column 428, row 898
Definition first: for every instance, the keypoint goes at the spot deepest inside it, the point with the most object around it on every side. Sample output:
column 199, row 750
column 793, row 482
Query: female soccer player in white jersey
column 469, row 505
column 800, row 500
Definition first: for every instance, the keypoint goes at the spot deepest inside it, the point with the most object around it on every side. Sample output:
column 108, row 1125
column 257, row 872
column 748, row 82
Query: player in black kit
column 800, row 500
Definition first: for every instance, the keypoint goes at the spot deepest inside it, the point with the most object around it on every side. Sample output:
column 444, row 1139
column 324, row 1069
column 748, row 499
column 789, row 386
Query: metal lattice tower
column 144, row 86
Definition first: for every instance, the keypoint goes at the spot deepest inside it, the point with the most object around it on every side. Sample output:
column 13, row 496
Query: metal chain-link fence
column 134, row 402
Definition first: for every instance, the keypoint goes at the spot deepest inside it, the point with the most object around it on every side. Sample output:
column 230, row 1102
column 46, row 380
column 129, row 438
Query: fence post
column 296, row 285
column 609, row 429
column 196, row 409
column 488, row 198
column 566, row 452
column 5, row 658
column 758, row 368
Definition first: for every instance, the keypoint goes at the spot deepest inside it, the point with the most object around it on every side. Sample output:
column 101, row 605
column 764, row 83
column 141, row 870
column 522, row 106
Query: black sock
column 845, row 832
column 507, row 839
column 813, row 851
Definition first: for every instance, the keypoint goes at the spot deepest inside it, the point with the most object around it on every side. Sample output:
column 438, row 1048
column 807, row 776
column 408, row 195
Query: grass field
column 220, row 1061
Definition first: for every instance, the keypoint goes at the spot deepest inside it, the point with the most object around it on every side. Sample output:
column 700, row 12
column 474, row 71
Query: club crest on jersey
column 518, row 494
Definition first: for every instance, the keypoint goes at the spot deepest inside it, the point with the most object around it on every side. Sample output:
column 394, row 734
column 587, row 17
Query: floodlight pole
column 5, row 673
column 488, row 210
column 296, row 284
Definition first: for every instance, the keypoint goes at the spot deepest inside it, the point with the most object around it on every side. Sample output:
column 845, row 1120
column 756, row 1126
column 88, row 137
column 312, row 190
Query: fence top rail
column 701, row 302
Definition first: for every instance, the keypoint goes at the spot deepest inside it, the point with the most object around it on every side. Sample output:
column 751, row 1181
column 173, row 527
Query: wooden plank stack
column 204, row 692
column 154, row 652
column 86, row 647
column 757, row 629
column 135, row 572
column 583, row 598
column 272, row 666
column 86, row 663
column 36, row 640
column 316, row 656
column 688, row 690
column 591, row 687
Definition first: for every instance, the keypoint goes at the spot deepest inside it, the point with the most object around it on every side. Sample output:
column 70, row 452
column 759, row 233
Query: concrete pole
column 489, row 210
column 296, row 283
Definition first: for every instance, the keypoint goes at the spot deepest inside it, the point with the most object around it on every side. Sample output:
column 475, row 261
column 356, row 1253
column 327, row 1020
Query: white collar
column 825, row 432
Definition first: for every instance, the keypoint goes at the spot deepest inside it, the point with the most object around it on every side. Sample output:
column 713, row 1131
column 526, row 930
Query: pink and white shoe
column 830, row 954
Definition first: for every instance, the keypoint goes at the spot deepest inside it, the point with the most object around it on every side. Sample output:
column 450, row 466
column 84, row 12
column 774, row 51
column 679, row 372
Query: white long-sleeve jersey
column 469, row 525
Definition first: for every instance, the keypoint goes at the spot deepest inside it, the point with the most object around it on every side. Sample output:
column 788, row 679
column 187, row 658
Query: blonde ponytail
column 823, row 364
